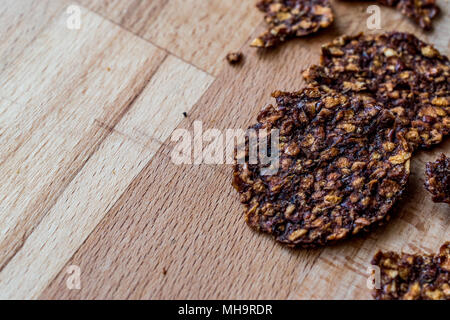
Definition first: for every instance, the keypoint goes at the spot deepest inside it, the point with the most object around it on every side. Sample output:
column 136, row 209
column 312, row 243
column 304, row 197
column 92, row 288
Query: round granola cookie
column 341, row 168
column 437, row 179
column 401, row 72
column 292, row 18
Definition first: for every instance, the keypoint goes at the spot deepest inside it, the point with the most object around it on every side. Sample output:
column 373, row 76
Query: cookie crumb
column 234, row 57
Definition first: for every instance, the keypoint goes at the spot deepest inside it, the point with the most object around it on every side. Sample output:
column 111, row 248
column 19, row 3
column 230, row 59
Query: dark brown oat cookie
column 437, row 179
column 342, row 168
column 413, row 277
column 292, row 18
column 421, row 11
column 404, row 74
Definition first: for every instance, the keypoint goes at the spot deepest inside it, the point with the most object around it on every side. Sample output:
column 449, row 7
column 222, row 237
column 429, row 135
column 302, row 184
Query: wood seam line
column 163, row 144
column 166, row 154
column 110, row 129
column 93, row 150
column 8, row 260
column 172, row 54
column 221, row 169
column 113, row 208
column 148, row 41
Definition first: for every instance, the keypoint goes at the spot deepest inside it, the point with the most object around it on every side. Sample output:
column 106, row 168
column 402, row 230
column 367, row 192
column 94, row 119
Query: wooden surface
column 86, row 118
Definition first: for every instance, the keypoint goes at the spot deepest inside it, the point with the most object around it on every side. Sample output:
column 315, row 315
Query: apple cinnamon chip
column 292, row 18
column 341, row 168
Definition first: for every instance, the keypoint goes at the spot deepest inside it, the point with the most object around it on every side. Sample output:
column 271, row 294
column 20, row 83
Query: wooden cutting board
column 88, row 186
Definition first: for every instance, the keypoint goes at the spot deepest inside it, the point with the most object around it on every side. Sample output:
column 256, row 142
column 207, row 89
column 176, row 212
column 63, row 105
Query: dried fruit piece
column 437, row 179
column 404, row 74
column 292, row 18
column 332, row 182
column 234, row 57
column 413, row 277
column 421, row 11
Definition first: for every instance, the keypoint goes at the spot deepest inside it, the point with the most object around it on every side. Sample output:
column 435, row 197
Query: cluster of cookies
column 346, row 139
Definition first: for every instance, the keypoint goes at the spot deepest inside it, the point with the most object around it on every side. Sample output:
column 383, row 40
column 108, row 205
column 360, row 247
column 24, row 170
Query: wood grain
column 21, row 21
column 57, row 131
column 105, row 176
column 86, row 173
column 200, row 32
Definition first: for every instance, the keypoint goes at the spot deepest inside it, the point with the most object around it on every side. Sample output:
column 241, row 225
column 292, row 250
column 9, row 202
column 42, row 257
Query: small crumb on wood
column 234, row 57
column 164, row 271
column 185, row 114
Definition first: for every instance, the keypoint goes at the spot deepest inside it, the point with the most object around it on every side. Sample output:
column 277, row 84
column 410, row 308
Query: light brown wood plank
column 200, row 32
column 134, row 15
column 123, row 154
column 76, row 212
column 66, row 81
column 21, row 21
column 173, row 90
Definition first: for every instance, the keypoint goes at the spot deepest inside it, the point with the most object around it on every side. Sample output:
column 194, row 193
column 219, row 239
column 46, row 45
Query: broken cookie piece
column 413, row 277
column 421, row 11
column 292, row 18
column 437, row 179
column 403, row 73
column 341, row 169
